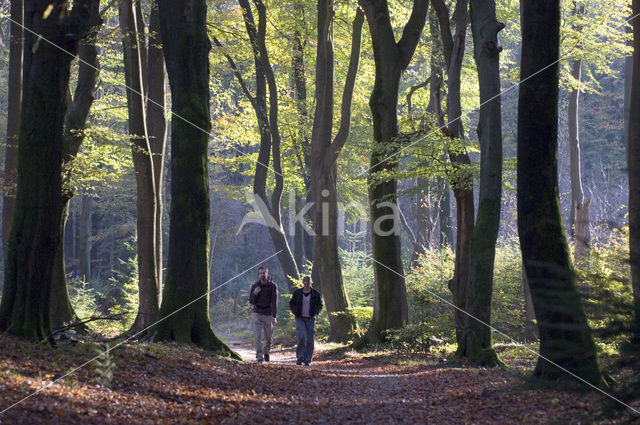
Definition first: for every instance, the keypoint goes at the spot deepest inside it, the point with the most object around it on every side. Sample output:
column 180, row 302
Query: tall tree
column 325, row 150
column 462, row 184
column 633, row 167
column 579, row 214
column 185, row 298
column 485, row 28
column 391, row 59
column 565, row 337
column 265, row 106
column 35, row 233
column 146, row 150
column 14, row 99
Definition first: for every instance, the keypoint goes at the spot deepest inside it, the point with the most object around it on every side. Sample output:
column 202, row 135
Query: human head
column 307, row 282
column 263, row 273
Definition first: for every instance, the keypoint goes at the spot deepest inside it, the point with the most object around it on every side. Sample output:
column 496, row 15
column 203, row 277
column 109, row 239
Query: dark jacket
column 266, row 302
column 295, row 305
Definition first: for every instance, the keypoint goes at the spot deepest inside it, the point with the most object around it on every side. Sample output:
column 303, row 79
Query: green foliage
column 606, row 286
column 431, row 321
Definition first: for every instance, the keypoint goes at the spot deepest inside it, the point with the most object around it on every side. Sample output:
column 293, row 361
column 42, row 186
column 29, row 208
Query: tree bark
column 137, row 81
column 579, row 214
column 462, row 185
column 485, row 28
column 14, row 100
column 565, row 336
column 35, row 233
column 324, row 155
column 633, row 167
column 185, row 300
column 390, row 309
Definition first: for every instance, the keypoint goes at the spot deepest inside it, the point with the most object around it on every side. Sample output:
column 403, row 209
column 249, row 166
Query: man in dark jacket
column 263, row 296
column 305, row 305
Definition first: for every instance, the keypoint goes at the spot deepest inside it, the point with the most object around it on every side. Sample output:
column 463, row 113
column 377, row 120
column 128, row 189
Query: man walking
column 263, row 296
column 305, row 305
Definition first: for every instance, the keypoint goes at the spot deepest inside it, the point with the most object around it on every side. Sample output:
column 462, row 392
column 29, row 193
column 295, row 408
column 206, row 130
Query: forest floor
column 173, row 384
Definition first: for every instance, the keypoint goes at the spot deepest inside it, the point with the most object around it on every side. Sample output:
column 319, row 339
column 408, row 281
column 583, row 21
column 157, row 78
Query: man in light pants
column 263, row 296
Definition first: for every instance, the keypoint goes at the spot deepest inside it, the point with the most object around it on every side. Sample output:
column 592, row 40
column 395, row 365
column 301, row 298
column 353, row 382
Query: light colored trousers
column 262, row 323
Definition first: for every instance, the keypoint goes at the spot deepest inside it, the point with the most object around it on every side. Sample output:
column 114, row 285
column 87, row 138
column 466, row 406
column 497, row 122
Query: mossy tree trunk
column 633, row 167
column 485, row 28
column 391, row 58
column 36, row 231
column 14, row 99
column 184, row 311
column 325, row 150
column 565, row 336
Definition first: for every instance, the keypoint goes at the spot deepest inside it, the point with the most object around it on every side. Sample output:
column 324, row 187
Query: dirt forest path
column 358, row 389
column 175, row 384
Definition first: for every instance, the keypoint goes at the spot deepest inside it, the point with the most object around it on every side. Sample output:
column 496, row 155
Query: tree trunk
column 485, row 28
column 530, row 329
column 565, row 336
column 579, row 214
column 453, row 51
column 184, row 311
column 136, row 74
column 302, row 141
column 84, row 244
column 35, row 233
column 269, row 137
column 324, row 154
column 14, row 98
column 633, row 167
column 157, row 129
column 390, row 309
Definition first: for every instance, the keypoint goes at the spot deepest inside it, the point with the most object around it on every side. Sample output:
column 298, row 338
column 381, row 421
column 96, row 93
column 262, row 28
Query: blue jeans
column 306, row 330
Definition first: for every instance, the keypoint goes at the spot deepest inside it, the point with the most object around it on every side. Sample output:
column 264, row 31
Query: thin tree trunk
column 390, row 309
column 485, row 28
column 134, row 52
column 35, row 235
column 324, row 155
column 633, row 167
column 186, row 47
column 579, row 214
column 453, row 50
column 14, row 100
column 565, row 336
column 85, row 238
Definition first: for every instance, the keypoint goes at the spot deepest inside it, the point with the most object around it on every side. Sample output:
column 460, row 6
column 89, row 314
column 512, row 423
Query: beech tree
column 265, row 105
column 185, row 302
column 462, row 182
column 565, row 336
column 391, row 59
column 485, row 27
column 35, row 233
column 325, row 150
column 144, row 77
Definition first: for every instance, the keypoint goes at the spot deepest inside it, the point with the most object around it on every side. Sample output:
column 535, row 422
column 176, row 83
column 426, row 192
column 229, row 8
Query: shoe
column 306, row 363
column 266, row 357
column 260, row 360
column 299, row 362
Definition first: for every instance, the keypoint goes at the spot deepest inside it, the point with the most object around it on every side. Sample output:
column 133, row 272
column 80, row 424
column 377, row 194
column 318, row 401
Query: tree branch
column 412, row 30
column 347, row 95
